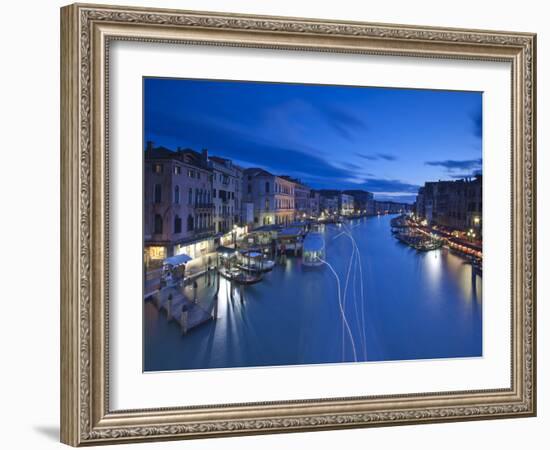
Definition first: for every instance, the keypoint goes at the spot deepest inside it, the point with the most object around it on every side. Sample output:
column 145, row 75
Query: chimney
column 149, row 146
column 205, row 154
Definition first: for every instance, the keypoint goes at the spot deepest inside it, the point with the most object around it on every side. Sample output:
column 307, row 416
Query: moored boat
column 314, row 250
column 240, row 276
column 254, row 261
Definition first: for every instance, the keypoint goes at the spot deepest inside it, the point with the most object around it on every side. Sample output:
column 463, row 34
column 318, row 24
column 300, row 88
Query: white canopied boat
column 253, row 261
column 314, row 249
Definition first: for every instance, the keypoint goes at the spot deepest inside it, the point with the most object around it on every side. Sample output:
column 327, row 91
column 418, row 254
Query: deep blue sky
column 387, row 141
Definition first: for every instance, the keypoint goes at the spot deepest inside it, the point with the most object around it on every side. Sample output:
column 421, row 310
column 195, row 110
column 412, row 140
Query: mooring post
column 215, row 311
column 156, row 299
column 184, row 322
column 169, row 307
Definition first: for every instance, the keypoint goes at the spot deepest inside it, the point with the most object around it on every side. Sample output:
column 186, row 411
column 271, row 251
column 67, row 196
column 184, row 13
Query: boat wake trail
column 342, row 312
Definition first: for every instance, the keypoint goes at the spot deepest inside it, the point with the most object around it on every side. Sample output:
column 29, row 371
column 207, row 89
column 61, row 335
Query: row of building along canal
column 374, row 288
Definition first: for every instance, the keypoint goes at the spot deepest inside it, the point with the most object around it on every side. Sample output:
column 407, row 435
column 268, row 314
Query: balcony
column 205, row 231
column 198, row 205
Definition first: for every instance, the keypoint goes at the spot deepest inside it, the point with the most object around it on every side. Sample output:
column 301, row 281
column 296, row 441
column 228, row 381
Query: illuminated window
column 157, row 252
column 157, row 168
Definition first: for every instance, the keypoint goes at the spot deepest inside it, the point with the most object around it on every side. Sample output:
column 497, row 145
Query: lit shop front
column 236, row 235
column 196, row 249
column 154, row 255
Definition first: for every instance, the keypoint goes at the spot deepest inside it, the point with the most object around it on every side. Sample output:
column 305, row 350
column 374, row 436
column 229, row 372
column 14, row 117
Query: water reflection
column 398, row 304
column 433, row 265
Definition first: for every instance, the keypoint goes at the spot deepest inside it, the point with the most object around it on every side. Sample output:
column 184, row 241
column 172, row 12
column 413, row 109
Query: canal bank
column 393, row 304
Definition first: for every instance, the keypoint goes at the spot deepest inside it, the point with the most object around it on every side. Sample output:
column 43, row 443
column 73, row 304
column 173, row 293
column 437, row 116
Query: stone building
column 272, row 197
column 301, row 198
column 336, row 202
column 363, row 201
column 346, row 204
column 314, row 203
column 419, row 203
column 226, row 193
column 391, row 207
column 453, row 204
column 329, row 201
column 177, row 208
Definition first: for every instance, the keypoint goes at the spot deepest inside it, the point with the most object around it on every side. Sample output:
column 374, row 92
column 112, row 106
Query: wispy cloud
column 344, row 123
column 350, row 165
column 377, row 156
column 453, row 165
column 389, row 187
column 229, row 142
column 459, row 176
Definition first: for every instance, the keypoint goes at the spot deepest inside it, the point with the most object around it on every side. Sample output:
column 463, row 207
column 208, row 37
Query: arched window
column 177, row 195
column 158, row 224
column 190, row 223
column 157, row 194
column 177, row 224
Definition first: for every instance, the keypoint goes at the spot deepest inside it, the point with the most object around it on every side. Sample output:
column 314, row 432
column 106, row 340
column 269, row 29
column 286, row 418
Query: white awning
column 252, row 254
column 177, row 260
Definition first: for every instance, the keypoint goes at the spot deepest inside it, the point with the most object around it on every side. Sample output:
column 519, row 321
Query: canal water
column 382, row 301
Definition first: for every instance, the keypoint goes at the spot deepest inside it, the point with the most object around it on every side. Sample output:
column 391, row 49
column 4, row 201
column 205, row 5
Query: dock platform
column 182, row 310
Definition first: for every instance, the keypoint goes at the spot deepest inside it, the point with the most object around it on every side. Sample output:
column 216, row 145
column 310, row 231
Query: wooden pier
column 186, row 313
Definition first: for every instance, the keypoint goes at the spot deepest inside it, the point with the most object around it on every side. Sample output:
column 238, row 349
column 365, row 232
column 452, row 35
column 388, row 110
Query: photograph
column 274, row 223
column 294, row 224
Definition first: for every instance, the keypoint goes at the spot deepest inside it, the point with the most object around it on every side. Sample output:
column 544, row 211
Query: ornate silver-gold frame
column 86, row 32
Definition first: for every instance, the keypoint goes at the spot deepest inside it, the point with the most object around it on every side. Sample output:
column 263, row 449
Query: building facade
column 226, row 194
column 453, row 204
column 178, row 209
column 419, row 207
column 272, row 197
column 301, row 198
column 363, row 201
column 391, row 207
column 329, row 201
column 346, row 204
column 314, row 203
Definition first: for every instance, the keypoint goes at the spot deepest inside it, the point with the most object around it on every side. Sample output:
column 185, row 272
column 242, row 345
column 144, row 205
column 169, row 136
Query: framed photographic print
column 275, row 224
